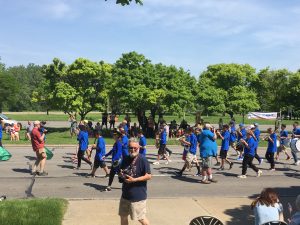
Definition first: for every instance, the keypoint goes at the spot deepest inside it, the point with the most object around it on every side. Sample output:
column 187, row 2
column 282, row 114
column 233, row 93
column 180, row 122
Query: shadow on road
column 66, row 166
column 98, row 187
column 19, row 170
column 30, row 157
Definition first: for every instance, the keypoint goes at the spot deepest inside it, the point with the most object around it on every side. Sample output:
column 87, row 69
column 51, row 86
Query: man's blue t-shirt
column 296, row 131
column 116, row 151
column 285, row 134
column 251, row 147
column 257, row 134
column 83, row 138
column 225, row 141
column 163, row 138
column 136, row 191
column 244, row 134
column 125, row 146
column 0, row 131
column 193, row 146
column 125, row 129
column 143, row 143
column 207, row 143
column 272, row 147
column 232, row 133
column 100, row 149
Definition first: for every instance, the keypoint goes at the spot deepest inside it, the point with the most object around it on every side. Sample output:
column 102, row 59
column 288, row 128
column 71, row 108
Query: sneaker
column 259, row 173
column 34, row 173
column 90, row 175
column 221, row 168
column 156, row 163
column 107, row 176
column 242, row 176
column 261, row 161
column 43, row 174
column 205, row 182
column 288, row 158
column 272, row 169
column 197, row 175
column 76, row 168
column 231, row 165
column 178, row 174
column 240, row 158
column 212, row 180
column 108, row 188
column 218, row 164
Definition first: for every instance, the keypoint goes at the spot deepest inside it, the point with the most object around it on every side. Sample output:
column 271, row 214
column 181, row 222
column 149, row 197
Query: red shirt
column 35, row 139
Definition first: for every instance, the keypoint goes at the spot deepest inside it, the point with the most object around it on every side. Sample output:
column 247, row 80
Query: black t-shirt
column 136, row 191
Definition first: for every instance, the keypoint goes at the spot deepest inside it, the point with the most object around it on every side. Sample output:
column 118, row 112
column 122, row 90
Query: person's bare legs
column 43, row 162
column 106, row 170
column 144, row 221
column 124, row 220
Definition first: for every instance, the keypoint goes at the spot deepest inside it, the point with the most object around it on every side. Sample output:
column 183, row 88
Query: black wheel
column 206, row 220
column 275, row 223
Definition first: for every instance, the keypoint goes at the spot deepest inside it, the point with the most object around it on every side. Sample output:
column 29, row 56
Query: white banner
column 262, row 115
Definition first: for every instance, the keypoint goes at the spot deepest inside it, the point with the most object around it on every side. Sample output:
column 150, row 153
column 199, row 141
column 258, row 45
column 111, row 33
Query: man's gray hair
column 134, row 140
column 298, row 202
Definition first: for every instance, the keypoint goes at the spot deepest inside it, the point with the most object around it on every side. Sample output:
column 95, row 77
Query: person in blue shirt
column 191, row 152
column 284, row 137
column 83, row 138
column 100, row 153
column 225, row 136
column 296, row 134
column 1, row 132
column 241, row 135
column 116, row 159
column 256, row 135
column 272, row 148
column 142, row 143
column 162, row 146
column 232, row 140
column 124, row 140
column 207, row 145
column 249, row 153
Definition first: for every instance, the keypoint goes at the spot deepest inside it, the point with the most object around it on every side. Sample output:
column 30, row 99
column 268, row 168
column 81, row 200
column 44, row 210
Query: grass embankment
column 62, row 137
column 96, row 117
column 32, row 212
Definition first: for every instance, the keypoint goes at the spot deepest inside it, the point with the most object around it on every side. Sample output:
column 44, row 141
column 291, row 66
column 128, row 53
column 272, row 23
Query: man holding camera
column 38, row 143
column 134, row 174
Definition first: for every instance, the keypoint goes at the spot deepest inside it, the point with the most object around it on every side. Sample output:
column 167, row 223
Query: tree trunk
column 153, row 112
column 47, row 112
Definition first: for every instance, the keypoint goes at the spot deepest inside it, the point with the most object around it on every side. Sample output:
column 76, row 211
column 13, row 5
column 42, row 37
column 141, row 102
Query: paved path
column 176, row 198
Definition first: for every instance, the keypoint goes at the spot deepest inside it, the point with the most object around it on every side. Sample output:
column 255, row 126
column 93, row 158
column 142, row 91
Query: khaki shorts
column 41, row 153
column 190, row 158
column 136, row 210
column 207, row 162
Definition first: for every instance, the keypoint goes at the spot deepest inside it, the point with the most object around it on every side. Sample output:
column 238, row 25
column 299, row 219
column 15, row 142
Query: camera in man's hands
column 124, row 174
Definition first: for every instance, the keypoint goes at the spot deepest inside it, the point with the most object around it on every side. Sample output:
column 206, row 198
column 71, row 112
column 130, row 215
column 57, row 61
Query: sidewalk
column 180, row 211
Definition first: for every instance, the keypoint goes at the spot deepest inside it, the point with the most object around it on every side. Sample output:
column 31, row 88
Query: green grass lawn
column 32, row 212
column 61, row 136
column 97, row 117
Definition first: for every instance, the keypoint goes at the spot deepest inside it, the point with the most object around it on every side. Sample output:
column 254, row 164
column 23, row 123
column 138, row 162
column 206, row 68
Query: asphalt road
column 64, row 181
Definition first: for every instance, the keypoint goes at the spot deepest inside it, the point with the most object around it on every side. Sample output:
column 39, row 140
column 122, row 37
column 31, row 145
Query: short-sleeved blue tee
column 143, row 143
column 136, row 191
column 207, row 143
column 296, row 131
column 285, row 134
column 163, row 138
column 257, row 134
column 193, row 146
column 83, row 138
column 0, row 131
column 232, row 133
column 272, row 147
column 244, row 134
column 116, row 151
column 125, row 129
column 125, row 146
column 225, row 141
column 100, row 149
column 250, row 150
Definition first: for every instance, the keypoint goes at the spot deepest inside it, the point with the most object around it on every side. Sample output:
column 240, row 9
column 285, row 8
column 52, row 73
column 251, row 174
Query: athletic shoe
column 43, row 174
column 242, row 176
column 34, row 173
column 261, row 161
column 76, row 168
column 212, row 180
column 240, row 158
column 221, row 168
column 197, row 175
column 108, row 188
column 272, row 169
column 258, row 174
column 288, row 158
column 107, row 176
column 178, row 173
column 218, row 164
column 90, row 175
column 231, row 165
column 205, row 182
column 156, row 163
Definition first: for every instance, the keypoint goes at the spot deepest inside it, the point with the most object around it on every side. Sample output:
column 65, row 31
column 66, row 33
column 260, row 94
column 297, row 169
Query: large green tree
column 80, row 87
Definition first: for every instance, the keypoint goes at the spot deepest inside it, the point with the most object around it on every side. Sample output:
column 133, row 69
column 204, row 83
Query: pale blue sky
column 188, row 33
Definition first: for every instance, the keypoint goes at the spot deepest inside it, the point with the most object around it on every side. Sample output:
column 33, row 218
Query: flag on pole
column 4, row 154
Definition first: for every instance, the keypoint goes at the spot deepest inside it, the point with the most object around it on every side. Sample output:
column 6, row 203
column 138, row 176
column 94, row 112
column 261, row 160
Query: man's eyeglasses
column 133, row 148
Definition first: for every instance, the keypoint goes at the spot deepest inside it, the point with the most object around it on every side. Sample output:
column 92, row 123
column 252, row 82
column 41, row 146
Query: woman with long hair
column 267, row 207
